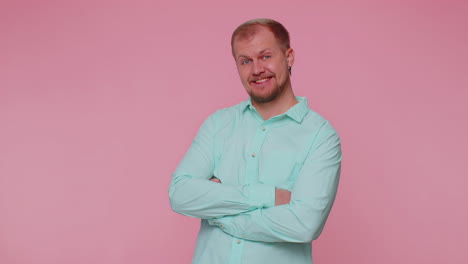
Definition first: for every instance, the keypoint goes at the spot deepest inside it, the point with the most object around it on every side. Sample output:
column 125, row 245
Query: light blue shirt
column 298, row 151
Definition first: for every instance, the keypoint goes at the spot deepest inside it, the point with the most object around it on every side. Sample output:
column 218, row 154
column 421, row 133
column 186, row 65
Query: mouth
column 262, row 80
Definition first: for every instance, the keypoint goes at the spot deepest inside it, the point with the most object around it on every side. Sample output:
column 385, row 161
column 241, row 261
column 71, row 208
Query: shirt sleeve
column 312, row 197
column 191, row 192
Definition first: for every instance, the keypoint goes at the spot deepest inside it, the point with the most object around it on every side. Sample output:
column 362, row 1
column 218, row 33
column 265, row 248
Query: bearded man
column 262, row 175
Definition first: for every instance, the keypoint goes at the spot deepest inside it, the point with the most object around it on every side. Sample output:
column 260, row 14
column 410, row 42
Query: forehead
column 256, row 40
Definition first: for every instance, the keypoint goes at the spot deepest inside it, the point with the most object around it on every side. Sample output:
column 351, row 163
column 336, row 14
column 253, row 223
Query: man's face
column 263, row 65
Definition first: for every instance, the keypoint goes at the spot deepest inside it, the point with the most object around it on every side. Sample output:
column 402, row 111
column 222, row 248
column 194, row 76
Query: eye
column 245, row 61
column 266, row 56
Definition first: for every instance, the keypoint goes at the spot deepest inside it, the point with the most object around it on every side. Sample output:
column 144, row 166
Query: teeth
column 261, row 80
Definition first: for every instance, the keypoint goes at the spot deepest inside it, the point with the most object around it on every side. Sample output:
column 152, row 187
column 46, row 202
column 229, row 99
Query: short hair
column 250, row 27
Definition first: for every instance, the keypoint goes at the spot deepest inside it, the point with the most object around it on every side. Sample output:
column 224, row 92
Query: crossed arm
column 203, row 197
column 281, row 196
column 259, row 212
column 192, row 193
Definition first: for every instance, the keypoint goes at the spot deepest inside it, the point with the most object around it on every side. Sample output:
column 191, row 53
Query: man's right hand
column 282, row 196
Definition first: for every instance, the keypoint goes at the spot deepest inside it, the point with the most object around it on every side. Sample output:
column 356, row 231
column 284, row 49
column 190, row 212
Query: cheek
column 244, row 74
column 273, row 66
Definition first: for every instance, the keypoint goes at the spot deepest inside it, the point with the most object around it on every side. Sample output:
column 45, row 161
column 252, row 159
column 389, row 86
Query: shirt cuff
column 225, row 223
column 220, row 222
column 261, row 195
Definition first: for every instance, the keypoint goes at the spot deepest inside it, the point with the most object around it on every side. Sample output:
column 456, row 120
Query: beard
column 261, row 99
column 266, row 98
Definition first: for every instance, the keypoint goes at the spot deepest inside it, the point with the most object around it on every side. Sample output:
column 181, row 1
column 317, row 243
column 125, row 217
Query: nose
column 258, row 68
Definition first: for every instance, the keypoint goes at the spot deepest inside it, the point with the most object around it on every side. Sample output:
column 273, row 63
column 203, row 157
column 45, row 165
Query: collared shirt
column 298, row 151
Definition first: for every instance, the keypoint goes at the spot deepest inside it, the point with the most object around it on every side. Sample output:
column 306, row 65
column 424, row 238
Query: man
column 262, row 175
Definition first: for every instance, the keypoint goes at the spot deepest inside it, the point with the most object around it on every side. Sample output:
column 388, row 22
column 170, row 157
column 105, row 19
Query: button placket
column 253, row 154
column 237, row 251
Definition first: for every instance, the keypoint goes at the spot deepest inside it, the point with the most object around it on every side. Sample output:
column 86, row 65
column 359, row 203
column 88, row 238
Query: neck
column 278, row 106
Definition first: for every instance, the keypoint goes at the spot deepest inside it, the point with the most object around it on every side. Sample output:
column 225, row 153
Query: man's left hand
column 214, row 179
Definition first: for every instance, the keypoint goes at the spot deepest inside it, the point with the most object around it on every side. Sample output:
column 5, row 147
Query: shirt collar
column 297, row 112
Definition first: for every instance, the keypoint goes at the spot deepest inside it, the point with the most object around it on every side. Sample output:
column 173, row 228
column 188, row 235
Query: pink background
column 99, row 100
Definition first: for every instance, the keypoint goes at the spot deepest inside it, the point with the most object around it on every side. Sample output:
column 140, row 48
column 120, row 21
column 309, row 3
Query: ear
column 290, row 57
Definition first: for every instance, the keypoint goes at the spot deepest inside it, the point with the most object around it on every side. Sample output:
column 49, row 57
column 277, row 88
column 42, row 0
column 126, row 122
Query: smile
column 262, row 80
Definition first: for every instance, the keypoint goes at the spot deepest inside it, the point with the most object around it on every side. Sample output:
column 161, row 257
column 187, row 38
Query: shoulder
column 318, row 122
column 320, row 130
column 324, row 136
column 223, row 117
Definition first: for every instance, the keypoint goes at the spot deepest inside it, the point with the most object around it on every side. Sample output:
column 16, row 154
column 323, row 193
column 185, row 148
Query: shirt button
column 263, row 128
column 238, row 241
column 222, row 226
column 253, row 154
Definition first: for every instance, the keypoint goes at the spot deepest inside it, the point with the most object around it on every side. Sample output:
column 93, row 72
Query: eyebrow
column 261, row 52
column 264, row 51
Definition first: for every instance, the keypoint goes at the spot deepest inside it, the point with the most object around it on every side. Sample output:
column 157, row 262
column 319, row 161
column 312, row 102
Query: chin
column 263, row 98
